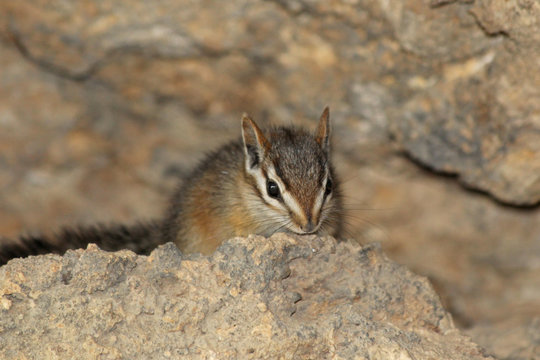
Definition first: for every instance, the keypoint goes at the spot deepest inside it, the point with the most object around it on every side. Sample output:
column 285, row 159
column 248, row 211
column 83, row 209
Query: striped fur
column 227, row 195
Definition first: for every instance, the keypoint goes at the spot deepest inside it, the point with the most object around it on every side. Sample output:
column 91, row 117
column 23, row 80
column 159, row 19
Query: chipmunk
column 278, row 181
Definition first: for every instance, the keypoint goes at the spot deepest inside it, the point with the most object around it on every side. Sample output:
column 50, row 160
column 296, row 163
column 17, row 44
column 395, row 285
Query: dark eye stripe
column 279, row 174
column 329, row 187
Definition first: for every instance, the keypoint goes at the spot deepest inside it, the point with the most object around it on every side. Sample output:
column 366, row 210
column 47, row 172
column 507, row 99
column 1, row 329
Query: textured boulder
column 510, row 339
column 479, row 117
column 462, row 99
column 257, row 298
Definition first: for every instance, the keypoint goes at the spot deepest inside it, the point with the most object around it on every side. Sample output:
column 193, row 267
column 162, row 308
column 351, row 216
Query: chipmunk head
column 290, row 173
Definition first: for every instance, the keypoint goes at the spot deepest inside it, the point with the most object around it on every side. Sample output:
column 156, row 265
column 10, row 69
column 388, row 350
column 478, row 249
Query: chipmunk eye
column 328, row 188
column 272, row 189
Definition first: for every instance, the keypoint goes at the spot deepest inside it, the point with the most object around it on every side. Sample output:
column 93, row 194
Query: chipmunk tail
column 141, row 238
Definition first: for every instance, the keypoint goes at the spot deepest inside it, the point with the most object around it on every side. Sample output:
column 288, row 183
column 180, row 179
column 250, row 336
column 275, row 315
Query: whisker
column 286, row 224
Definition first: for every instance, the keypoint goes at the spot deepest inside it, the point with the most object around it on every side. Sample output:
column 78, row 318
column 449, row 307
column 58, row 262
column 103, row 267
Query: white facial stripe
column 261, row 184
column 291, row 202
column 317, row 205
column 267, row 212
column 257, row 173
column 293, row 205
column 319, row 201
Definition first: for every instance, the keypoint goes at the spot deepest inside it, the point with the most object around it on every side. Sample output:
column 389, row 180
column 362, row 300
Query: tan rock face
column 478, row 116
column 460, row 101
column 257, row 298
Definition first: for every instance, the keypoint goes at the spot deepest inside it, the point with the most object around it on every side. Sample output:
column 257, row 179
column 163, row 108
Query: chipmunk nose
column 309, row 226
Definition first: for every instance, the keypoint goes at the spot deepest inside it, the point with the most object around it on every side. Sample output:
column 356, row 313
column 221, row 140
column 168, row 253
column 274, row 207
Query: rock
column 510, row 339
column 479, row 117
column 282, row 297
column 461, row 99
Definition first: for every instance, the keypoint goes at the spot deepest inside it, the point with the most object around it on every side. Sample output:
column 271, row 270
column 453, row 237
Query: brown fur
column 226, row 196
column 221, row 199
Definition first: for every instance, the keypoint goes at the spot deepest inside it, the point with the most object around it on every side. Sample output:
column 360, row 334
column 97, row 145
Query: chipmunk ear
column 322, row 134
column 255, row 144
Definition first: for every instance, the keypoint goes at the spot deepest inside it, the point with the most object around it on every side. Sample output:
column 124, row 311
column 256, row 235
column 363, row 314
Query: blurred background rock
column 435, row 108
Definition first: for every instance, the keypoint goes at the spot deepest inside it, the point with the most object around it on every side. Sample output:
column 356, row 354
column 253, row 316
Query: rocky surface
column 462, row 98
column 255, row 298
column 510, row 339
column 103, row 104
column 479, row 115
